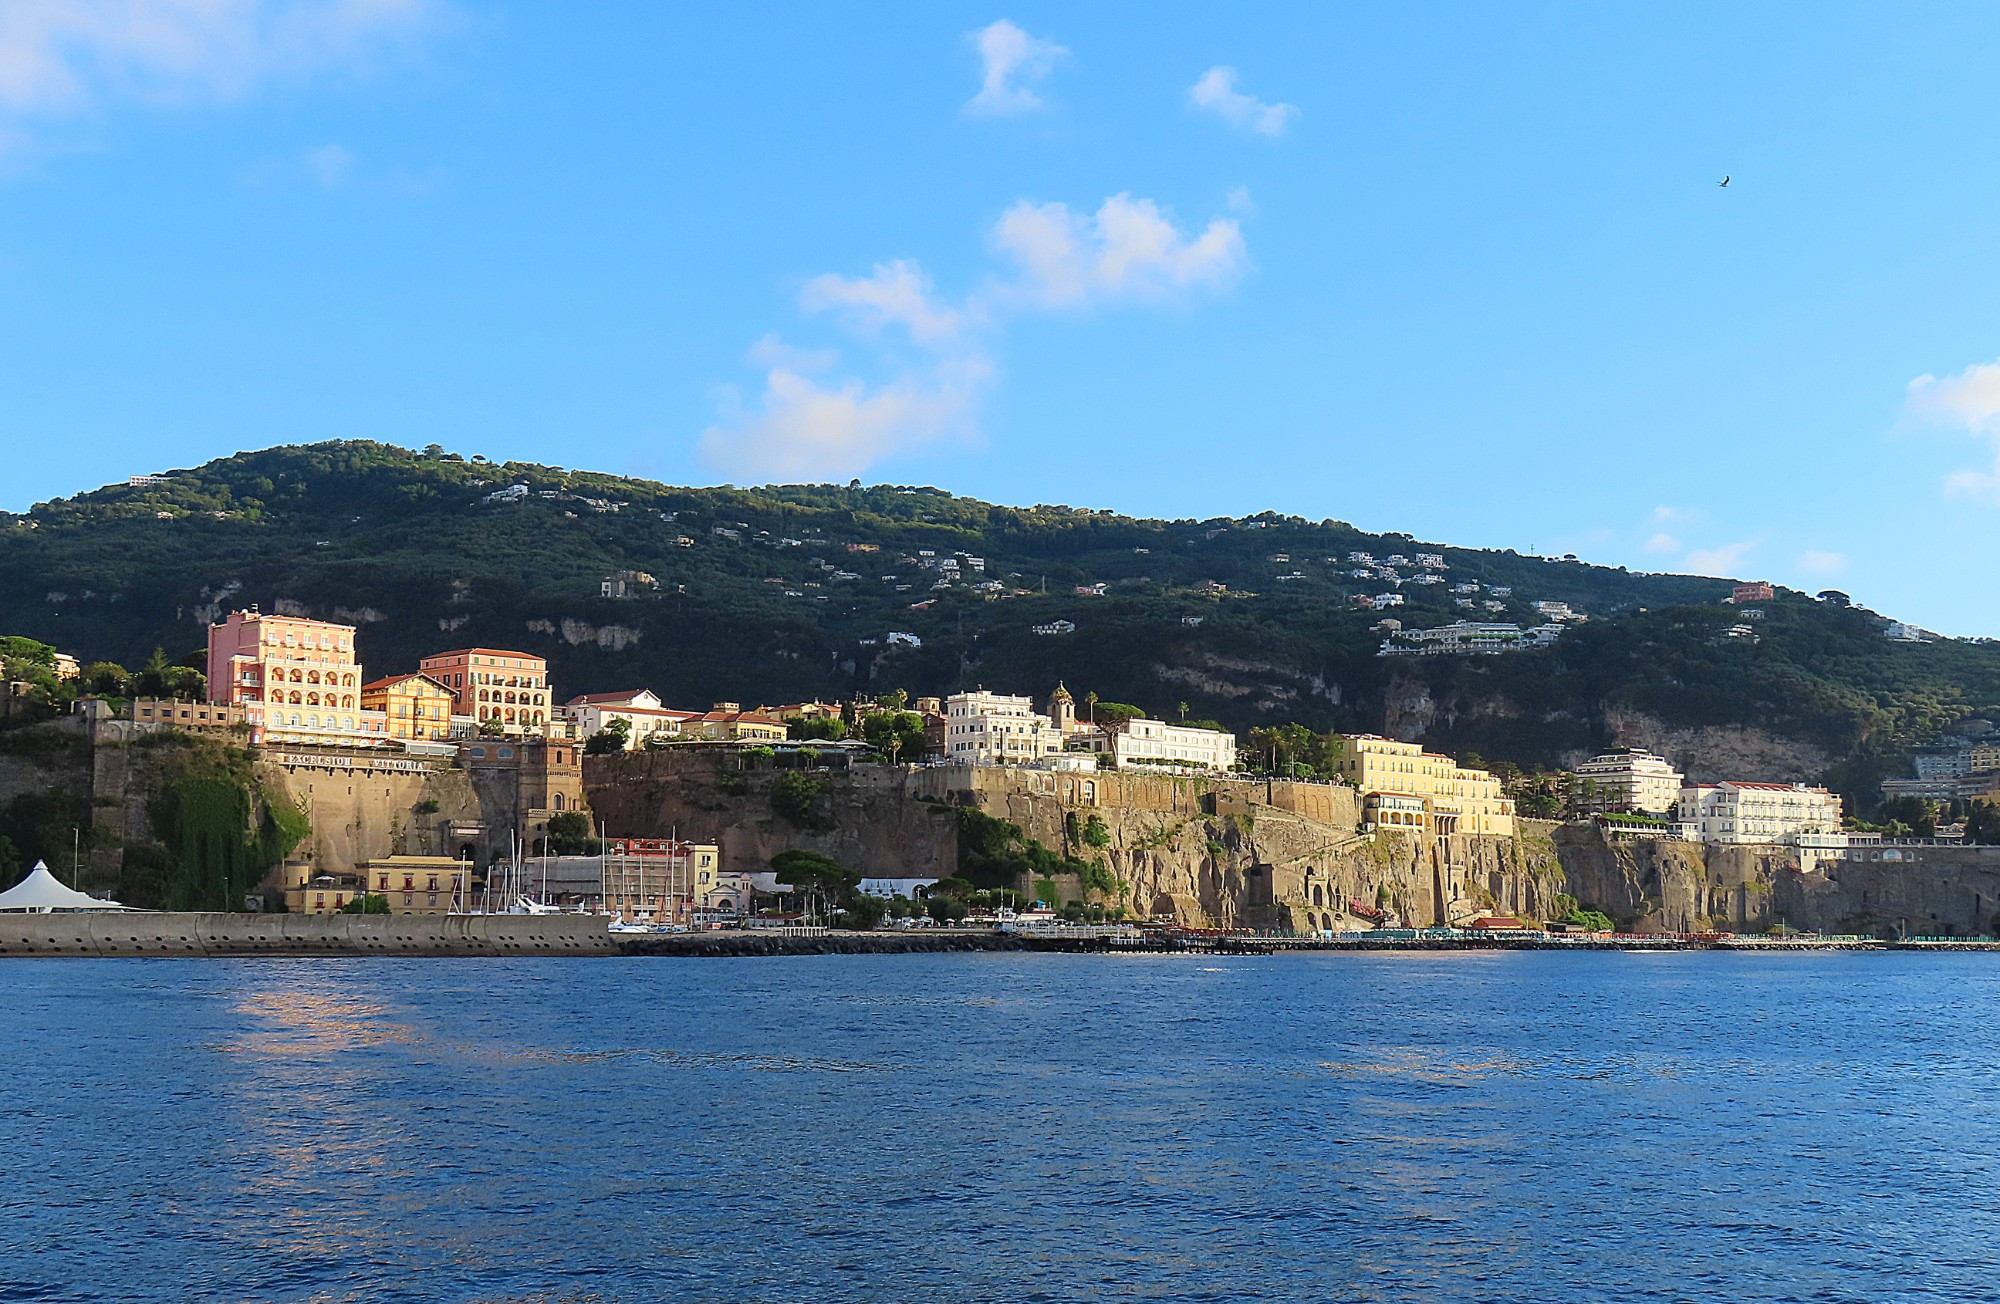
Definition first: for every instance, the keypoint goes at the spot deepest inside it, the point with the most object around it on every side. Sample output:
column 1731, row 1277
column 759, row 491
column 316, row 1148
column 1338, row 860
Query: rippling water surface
column 971, row 1127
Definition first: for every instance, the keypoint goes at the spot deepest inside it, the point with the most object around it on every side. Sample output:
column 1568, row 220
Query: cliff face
column 1712, row 753
column 1922, row 892
column 1198, row 852
column 1656, row 885
column 365, row 816
column 1289, row 855
column 872, row 818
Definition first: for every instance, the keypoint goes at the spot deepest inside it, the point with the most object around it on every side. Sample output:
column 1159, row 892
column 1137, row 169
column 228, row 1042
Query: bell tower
column 1062, row 710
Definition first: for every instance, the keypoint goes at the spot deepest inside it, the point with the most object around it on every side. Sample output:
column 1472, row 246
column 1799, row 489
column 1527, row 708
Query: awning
column 40, row 892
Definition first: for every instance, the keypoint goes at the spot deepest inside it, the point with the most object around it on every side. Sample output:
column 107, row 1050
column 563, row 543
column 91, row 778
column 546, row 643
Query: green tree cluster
column 1294, row 750
column 571, row 834
column 828, row 890
column 802, row 800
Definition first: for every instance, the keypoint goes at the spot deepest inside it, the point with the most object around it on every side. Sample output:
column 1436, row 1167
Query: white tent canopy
column 41, row 892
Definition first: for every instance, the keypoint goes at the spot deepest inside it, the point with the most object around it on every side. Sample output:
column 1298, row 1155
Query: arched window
column 298, row 698
column 559, row 801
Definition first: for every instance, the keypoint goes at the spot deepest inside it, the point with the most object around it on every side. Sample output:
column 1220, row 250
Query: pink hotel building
column 296, row 680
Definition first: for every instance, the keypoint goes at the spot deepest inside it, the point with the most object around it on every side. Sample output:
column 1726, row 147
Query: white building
column 1773, row 813
column 1468, row 638
column 642, row 711
column 1949, row 765
column 1383, row 600
column 1144, row 742
column 983, row 728
column 1634, row 780
column 1055, row 628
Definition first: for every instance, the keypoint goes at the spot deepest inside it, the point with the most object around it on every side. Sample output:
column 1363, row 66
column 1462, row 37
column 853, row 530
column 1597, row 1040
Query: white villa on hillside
column 1757, row 812
column 983, row 728
column 1633, row 780
column 1143, row 742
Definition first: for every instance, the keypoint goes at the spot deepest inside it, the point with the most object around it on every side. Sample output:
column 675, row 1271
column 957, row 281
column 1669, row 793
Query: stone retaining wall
column 168, row 934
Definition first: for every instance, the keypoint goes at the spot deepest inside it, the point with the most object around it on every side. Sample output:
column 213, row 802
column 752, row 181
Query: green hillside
column 408, row 546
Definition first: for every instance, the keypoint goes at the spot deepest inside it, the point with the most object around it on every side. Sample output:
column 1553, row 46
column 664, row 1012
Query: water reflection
column 984, row 1127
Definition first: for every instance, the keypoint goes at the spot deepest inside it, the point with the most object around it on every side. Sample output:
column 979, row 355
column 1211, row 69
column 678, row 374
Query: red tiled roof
column 482, row 651
column 593, row 699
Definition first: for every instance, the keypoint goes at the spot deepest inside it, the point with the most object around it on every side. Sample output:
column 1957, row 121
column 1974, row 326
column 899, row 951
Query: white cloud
column 1216, row 91
column 896, row 294
column 1665, row 514
column 1822, row 563
column 1127, row 249
column 1010, row 60
column 1663, row 543
column 803, row 430
column 1969, row 483
column 1239, row 201
column 68, row 58
column 771, row 352
column 1722, row 562
column 329, row 165
column 1968, row 401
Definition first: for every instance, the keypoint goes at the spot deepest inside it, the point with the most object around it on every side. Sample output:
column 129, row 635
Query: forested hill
column 783, row 593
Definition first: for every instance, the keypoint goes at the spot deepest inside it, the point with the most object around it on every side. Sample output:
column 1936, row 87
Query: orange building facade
column 510, row 689
column 415, row 706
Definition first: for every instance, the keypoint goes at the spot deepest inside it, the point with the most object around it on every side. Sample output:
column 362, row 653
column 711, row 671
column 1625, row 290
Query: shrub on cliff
column 801, row 799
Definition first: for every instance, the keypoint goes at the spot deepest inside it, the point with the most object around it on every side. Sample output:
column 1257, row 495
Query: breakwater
column 194, row 935
column 199, row 934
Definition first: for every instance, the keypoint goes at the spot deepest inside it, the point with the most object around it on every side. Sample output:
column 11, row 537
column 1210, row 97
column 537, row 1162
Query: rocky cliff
column 1200, row 852
column 1290, row 855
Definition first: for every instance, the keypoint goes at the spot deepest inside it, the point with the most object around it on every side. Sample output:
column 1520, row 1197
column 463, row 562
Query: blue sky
column 1459, row 270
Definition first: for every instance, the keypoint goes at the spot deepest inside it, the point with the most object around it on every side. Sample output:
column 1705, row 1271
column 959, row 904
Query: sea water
column 1476, row 1126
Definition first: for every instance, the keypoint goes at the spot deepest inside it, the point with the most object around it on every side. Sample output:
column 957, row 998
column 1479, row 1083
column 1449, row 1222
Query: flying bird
column 1724, row 183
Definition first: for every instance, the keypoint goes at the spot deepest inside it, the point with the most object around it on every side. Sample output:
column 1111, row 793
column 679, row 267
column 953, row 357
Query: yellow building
column 418, row 885
column 325, row 894
column 1404, row 786
column 730, row 722
column 414, row 885
column 417, row 706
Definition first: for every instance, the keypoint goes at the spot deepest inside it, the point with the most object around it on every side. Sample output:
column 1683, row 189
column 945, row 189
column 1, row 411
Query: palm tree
column 1183, row 712
column 1090, row 700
